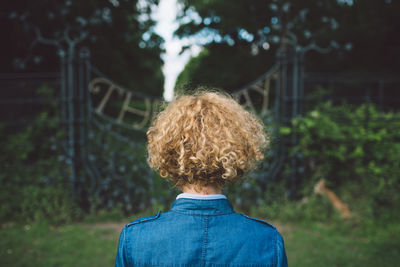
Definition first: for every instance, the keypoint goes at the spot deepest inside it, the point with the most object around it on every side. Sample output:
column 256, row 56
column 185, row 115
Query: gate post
column 291, row 101
column 74, row 116
column 83, row 122
column 68, row 115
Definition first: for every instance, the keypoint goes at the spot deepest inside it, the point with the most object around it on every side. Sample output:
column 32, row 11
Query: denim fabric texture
column 200, row 233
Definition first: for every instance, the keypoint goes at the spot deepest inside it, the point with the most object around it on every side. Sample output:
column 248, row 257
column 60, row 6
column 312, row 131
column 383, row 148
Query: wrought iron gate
column 103, row 118
column 92, row 120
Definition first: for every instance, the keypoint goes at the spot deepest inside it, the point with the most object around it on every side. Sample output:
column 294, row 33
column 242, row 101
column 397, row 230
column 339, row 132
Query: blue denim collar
column 202, row 207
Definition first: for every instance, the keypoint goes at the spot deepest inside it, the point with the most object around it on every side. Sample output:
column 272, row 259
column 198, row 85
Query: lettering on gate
column 259, row 89
column 145, row 114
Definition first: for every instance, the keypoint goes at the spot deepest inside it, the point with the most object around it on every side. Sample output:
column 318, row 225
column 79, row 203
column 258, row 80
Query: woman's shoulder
column 144, row 220
column 261, row 222
column 262, row 227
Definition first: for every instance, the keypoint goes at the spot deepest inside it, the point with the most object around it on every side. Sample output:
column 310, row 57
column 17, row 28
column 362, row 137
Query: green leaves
column 119, row 34
column 236, row 67
column 352, row 145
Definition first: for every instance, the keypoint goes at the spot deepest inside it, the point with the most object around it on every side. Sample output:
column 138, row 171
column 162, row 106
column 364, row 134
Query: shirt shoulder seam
column 260, row 220
column 146, row 219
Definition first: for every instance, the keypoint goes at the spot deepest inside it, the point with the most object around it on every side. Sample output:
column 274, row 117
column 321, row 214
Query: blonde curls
column 205, row 139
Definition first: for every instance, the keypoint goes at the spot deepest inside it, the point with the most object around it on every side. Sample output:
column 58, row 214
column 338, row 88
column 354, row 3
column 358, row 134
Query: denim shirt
column 197, row 232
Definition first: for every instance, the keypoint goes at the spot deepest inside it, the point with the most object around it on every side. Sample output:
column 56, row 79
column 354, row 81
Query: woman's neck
column 203, row 190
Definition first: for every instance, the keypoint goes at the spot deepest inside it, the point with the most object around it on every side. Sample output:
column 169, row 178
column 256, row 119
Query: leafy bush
column 356, row 149
column 32, row 184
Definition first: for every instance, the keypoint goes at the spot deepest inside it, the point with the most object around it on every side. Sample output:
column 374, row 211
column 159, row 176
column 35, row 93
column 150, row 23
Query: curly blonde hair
column 206, row 139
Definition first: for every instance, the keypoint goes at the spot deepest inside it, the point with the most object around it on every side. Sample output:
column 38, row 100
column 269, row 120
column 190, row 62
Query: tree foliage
column 119, row 34
column 215, row 65
column 360, row 36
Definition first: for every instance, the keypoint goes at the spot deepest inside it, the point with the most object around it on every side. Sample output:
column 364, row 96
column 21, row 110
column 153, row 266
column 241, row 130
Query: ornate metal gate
column 102, row 116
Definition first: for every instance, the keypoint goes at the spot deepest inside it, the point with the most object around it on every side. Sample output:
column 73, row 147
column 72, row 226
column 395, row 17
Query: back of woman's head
column 206, row 139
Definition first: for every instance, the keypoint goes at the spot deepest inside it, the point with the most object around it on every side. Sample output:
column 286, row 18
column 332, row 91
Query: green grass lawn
column 95, row 244
column 323, row 245
column 69, row 245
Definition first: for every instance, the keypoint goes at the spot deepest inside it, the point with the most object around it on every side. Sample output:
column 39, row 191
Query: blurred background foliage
column 32, row 187
column 121, row 32
column 355, row 147
column 241, row 39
